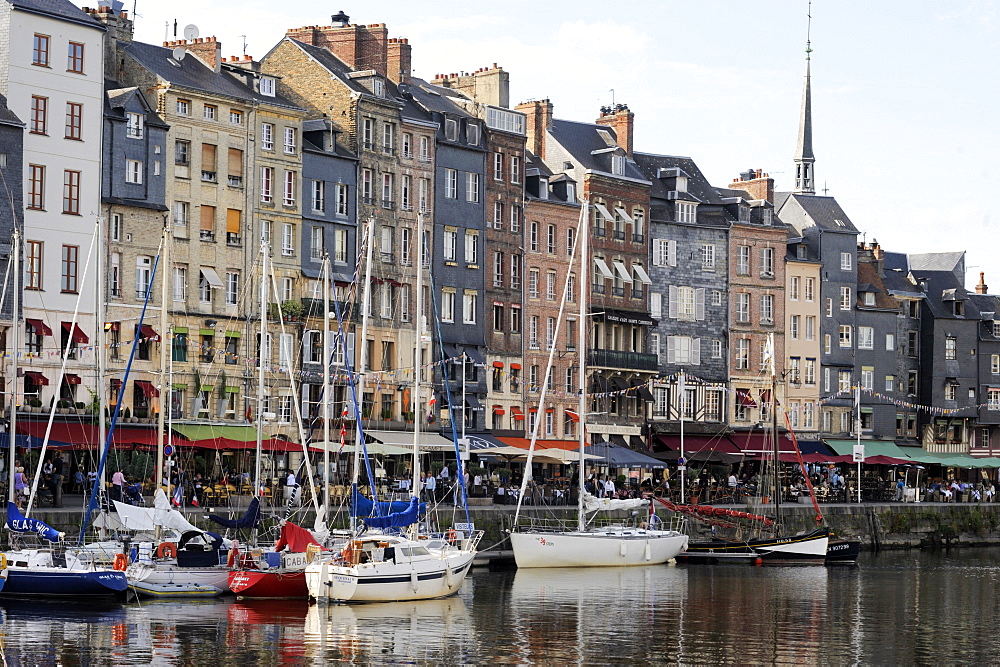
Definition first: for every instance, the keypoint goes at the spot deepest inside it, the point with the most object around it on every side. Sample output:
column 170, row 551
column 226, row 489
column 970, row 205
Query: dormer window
column 996, row 328
column 685, row 212
column 801, row 252
column 681, row 184
column 472, row 134
column 543, row 188
column 571, row 192
column 378, row 87
column 869, row 298
column 451, row 130
column 744, row 213
column 766, row 216
column 267, row 86
column 959, row 308
column 618, row 165
column 606, row 136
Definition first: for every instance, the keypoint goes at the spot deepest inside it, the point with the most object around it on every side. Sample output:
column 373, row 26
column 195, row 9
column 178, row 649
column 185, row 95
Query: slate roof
column 869, row 277
column 897, row 281
column 8, row 117
column 938, row 261
column 436, row 98
column 118, row 99
column 822, row 212
column 940, row 282
column 331, row 63
column 193, row 74
column 896, row 261
column 710, row 210
column 60, row 9
column 582, row 139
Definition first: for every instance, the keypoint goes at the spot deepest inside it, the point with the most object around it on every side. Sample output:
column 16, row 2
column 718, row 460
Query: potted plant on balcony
column 292, row 310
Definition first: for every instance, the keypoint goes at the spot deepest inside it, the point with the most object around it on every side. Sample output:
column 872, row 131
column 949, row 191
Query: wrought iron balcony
column 621, row 359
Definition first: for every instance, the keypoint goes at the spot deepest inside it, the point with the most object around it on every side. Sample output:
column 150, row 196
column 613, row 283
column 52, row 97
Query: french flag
column 178, row 499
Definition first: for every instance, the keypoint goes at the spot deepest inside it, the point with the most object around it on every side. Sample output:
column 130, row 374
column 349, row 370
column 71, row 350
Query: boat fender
column 648, row 552
column 624, row 549
column 414, row 580
column 449, row 577
column 234, row 555
column 166, row 550
column 121, row 562
column 451, row 536
column 3, row 561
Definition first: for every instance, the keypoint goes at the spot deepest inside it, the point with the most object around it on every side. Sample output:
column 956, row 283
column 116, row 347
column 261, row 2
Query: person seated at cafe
column 946, row 494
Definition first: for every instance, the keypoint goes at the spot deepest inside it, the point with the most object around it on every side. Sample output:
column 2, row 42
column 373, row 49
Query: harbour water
column 896, row 607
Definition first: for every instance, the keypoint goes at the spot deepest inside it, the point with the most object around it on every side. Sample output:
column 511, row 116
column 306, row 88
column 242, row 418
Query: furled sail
column 249, row 519
column 18, row 523
column 148, row 518
column 295, row 537
column 407, row 517
column 364, row 507
column 594, row 504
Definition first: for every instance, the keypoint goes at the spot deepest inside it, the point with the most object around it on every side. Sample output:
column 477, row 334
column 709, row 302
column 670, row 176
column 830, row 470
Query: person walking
column 58, row 468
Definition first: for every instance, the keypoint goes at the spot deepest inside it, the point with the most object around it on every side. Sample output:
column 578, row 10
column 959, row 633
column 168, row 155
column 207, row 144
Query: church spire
column 804, row 177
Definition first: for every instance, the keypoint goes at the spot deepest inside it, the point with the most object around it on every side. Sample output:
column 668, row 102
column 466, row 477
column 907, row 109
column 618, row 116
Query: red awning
column 744, row 398
column 149, row 333
column 86, row 436
column 572, row 414
column 148, row 390
column 41, row 328
column 550, row 409
column 37, row 378
column 525, row 443
column 498, row 410
column 534, row 409
column 70, row 378
column 698, row 443
column 516, row 367
column 518, row 414
column 75, row 333
column 765, row 397
column 497, row 364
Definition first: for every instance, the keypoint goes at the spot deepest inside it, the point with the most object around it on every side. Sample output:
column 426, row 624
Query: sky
column 904, row 99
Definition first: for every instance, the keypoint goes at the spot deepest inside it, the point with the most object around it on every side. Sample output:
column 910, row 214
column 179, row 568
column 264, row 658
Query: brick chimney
column 208, row 50
column 756, row 183
column 119, row 35
column 982, row 287
column 398, row 58
column 622, row 121
column 538, row 122
column 360, row 47
column 487, row 85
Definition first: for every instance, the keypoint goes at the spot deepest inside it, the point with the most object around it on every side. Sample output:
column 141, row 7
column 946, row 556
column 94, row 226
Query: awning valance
column 40, row 328
column 37, row 378
column 75, row 333
column 71, row 378
column 148, row 389
column 149, row 333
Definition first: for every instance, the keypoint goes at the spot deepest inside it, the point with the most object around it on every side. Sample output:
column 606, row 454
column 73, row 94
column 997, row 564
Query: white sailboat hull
column 386, row 581
column 616, row 547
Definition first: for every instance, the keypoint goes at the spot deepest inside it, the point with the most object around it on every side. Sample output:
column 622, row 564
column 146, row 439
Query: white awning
column 212, row 277
column 624, row 214
column 623, row 272
column 643, row 276
column 603, row 268
column 428, row 441
column 604, row 211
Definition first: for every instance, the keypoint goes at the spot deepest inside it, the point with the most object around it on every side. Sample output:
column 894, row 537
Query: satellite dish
column 191, row 32
column 178, row 53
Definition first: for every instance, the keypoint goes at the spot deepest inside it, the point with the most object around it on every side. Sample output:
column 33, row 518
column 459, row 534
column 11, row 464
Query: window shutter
column 671, row 352
column 672, row 253
column 235, row 162
column 695, row 351
column 659, row 254
column 672, row 302
column 699, row 303
column 207, row 218
column 233, row 221
column 656, row 305
column 208, row 157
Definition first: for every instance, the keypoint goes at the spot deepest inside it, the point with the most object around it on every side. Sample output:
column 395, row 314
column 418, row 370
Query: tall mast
column 774, row 435
column 262, row 362
column 805, row 178
column 418, row 348
column 165, row 389
column 325, row 479
column 363, row 360
column 15, row 330
column 583, row 235
column 102, row 363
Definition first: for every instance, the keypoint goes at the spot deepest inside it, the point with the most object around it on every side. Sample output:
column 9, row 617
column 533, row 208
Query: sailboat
column 765, row 541
column 561, row 545
column 45, row 571
column 389, row 566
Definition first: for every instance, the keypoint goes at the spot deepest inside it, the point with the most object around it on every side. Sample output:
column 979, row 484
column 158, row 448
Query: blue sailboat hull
column 54, row 582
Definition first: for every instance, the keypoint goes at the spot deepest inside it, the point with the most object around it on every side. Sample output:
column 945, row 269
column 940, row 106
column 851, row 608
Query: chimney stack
column 537, row 123
column 360, row 47
column 208, row 49
column 398, row 59
column 622, row 121
column 755, row 183
column 982, row 288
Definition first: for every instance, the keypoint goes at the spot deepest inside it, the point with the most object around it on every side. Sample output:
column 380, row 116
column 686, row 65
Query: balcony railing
column 621, row 359
column 209, row 176
column 235, row 181
column 619, row 234
column 206, row 235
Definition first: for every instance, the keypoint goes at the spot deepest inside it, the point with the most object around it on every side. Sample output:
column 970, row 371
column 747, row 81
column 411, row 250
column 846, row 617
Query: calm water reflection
column 900, row 607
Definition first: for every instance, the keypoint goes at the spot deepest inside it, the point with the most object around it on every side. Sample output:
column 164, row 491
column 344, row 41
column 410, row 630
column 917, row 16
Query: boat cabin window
column 413, row 551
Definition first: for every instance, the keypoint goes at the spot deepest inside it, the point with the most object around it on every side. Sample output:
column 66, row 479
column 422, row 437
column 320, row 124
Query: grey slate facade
column 12, row 202
column 689, row 254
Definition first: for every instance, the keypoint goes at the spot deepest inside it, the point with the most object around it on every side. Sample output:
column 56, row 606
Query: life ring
column 166, row 550
column 451, row 536
column 121, row 562
column 234, row 555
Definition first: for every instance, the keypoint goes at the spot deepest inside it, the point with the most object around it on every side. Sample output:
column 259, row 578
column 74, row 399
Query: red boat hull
column 255, row 584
